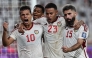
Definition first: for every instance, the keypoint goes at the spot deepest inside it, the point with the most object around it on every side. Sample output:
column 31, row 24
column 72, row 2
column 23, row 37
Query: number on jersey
column 52, row 29
column 69, row 34
column 30, row 38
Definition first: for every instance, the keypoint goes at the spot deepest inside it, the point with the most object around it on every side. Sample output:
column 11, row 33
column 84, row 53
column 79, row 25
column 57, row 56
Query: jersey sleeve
column 83, row 34
column 63, row 22
column 39, row 21
column 14, row 34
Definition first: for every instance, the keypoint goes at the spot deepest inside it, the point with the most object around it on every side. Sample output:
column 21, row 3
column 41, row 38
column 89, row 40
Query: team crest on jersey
column 36, row 31
column 59, row 23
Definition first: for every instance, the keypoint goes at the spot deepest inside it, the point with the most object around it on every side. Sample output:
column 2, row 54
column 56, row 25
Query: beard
column 71, row 22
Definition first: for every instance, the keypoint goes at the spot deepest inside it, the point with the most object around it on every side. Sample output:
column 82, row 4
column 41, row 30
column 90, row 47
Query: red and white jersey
column 70, row 38
column 29, row 44
column 53, row 36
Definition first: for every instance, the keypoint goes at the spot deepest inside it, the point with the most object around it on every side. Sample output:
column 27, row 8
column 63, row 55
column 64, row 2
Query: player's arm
column 77, row 25
column 6, row 40
column 74, row 47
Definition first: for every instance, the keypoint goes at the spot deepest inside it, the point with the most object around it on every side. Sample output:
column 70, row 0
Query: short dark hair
column 25, row 8
column 40, row 6
column 67, row 7
column 51, row 5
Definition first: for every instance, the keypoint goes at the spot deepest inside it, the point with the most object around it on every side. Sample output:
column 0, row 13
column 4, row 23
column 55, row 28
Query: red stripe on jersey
column 85, row 27
column 30, row 26
column 85, row 53
column 84, row 44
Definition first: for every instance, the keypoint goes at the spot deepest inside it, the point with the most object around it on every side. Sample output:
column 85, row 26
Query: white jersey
column 53, row 37
column 29, row 43
column 70, row 38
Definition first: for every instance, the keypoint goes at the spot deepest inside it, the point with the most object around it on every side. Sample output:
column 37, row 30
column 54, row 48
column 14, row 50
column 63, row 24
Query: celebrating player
column 29, row 42
column 74, row 40
column 38, row 12
column 53, row 26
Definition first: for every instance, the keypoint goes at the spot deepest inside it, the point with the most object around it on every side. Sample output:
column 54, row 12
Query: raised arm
column 6, row 40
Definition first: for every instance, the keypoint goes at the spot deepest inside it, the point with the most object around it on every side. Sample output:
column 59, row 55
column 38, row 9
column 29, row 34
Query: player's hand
column 65, row 49
column 77, row 25
column 16, row 26
column 20, row 29
column 5, row 26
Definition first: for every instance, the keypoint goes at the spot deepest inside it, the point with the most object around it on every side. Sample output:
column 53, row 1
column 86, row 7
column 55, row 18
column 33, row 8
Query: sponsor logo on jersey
column 84, row 35
column 59, row 23
column 36, row 31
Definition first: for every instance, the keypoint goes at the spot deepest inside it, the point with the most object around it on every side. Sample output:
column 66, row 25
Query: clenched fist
column 5, row 26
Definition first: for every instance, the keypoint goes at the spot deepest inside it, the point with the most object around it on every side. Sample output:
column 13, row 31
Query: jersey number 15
column 69, row 34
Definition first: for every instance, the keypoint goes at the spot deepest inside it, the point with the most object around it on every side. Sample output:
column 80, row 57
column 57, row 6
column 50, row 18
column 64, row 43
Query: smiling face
column 37, row 13
column 51, row 14
column 25, row 16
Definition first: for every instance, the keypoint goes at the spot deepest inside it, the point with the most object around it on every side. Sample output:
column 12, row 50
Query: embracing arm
column 78, row 24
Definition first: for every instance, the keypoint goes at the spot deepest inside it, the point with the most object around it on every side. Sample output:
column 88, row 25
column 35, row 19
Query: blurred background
column 9, row 11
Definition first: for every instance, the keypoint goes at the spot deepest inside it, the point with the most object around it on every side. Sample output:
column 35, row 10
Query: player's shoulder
column 37, row 24
column 84, row 27
column 60, row 17
column 42, row 18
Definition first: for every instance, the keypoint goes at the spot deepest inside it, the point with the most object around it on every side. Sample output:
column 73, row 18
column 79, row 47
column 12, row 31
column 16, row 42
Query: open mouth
column 26, row 20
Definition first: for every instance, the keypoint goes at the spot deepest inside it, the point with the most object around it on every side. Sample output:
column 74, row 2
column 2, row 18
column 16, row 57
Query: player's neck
column 27, row 27
column 54, row 20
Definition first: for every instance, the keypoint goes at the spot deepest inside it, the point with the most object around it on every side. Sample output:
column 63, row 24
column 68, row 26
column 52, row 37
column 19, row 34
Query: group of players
column 63, row 37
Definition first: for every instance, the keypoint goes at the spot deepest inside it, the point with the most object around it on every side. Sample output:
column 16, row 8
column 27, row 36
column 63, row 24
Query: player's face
column 51, row 14
column 69, row 14
column 26, row 16
column 37, row 13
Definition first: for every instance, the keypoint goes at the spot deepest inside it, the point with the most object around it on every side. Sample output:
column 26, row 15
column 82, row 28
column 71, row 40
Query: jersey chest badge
column 36, row 31
column 59, row 24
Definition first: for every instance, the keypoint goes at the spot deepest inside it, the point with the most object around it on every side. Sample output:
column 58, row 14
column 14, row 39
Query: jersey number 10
column 30, row 38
